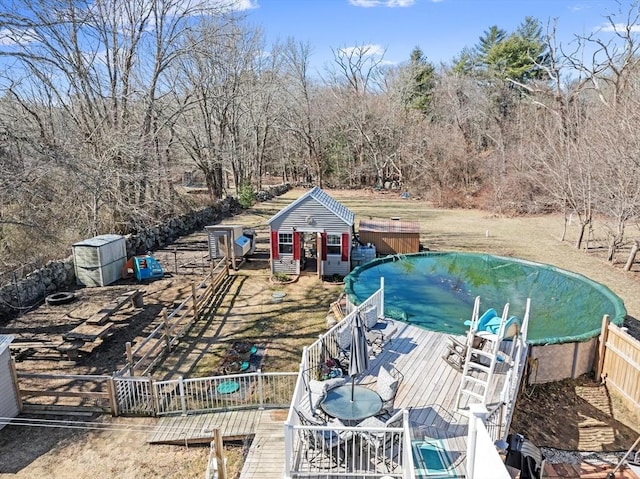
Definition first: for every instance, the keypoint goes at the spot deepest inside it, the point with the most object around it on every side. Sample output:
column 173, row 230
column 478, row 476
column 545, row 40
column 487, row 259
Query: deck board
column 198, row 428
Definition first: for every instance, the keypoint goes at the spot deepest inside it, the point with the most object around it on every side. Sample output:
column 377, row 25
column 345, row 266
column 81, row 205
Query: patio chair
column 457, row 350
column 377, row 330
column 383, row 447
column 323, row 449
column 317, row 390
column 387, row 386
column 343, row 343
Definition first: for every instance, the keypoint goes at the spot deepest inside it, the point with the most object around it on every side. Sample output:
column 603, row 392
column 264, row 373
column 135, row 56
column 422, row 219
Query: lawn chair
column 343, row 343
column 457, row 350
column 377, row 330
column 324, row 449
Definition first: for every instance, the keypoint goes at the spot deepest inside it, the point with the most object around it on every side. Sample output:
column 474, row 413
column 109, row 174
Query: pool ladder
column 483, row 353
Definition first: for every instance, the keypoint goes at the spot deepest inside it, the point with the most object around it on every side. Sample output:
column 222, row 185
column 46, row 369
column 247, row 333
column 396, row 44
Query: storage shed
column 314, row 233
column 391, row 236
column 99, row 261
column 8, row 394
column 231, row 241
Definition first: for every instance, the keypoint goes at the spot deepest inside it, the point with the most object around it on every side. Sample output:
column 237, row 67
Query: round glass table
column 337, row 403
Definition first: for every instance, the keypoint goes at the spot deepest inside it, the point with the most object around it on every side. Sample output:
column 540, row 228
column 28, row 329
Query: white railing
column 483, row 460
column 238, row 391
column 487, row 427
column 348, row 451
column 355, row 456
column 326, row 346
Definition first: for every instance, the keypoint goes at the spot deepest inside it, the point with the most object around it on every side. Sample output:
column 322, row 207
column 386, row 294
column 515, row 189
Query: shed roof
column 337, row 208
column 5, row 340
column 389, row 226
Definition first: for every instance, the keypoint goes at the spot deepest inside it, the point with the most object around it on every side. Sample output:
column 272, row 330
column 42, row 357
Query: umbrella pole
column 353, row 382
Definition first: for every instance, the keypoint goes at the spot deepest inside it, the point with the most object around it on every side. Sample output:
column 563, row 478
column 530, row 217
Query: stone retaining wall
column 60, row 274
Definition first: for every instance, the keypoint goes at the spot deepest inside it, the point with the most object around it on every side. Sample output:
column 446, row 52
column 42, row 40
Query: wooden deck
column 429, row 389
column 197, row 428
column 265, row 428
column 266, row 453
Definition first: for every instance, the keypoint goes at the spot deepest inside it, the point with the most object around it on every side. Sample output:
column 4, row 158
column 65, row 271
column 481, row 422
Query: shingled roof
column 337, row 208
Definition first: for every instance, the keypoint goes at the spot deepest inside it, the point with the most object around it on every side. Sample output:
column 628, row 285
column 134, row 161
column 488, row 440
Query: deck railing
column 356, row 457
column 216, row 393
column 347, row 452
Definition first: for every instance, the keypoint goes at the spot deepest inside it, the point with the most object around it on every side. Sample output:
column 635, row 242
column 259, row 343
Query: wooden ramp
column 265, row 459
column 198, row 428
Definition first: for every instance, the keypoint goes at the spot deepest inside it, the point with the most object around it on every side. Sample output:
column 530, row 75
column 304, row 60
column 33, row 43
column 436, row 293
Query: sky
column 441, row 28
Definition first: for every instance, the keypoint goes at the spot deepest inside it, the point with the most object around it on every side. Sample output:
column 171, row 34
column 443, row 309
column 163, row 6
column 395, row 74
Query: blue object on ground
column 147, row 267
column 227, row 387
column 431, row 459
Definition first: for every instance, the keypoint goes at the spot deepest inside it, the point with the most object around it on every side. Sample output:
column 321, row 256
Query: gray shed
column 8, row 394
column 99, row 260
column 313, row 233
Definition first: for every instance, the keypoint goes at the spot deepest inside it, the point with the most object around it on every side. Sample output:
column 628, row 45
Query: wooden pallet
column 135, row 297
column 88, row 332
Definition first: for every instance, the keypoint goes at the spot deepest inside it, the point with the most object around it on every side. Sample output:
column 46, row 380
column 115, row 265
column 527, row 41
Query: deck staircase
column 483, row 353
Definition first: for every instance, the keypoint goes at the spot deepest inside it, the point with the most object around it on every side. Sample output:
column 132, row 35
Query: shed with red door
column 312, row 234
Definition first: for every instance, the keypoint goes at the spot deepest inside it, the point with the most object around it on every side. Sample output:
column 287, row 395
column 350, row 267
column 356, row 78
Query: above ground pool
column 437, row 291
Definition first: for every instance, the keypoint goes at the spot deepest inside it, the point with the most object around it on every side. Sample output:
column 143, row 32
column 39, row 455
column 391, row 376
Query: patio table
column 337, row 403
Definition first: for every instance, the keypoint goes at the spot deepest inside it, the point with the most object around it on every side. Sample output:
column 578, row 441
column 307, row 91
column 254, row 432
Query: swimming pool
column 437, row 290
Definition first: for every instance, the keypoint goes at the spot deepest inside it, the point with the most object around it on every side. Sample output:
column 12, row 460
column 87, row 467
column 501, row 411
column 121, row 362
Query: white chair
column 387, row 386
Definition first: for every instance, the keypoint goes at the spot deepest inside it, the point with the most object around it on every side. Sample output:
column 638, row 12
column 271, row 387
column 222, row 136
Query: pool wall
column 554, row 362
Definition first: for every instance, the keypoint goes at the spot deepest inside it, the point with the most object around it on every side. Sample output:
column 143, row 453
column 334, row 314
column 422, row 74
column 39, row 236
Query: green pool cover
column 437, row 291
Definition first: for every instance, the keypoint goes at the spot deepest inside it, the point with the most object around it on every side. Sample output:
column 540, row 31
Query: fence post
column 113, row 403
column 195, row 301
column 288, row 449
column 219, row 449
column 602, row 346
column 129, row 357
column 167, row 332
column 477, row 412
column 381, row 310
column 183, row 399
column 260, row 389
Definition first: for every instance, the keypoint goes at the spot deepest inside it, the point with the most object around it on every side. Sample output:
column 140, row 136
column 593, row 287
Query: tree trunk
column 632, row 256
column 583, row 226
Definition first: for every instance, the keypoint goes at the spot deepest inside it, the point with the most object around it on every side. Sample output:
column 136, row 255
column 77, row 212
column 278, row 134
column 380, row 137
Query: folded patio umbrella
column 359, row 357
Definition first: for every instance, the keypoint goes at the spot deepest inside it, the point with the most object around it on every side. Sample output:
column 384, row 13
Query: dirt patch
column 576, row 415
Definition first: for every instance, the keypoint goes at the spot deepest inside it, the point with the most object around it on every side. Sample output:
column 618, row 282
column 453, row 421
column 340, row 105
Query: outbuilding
column 313, row 233
column 390, row 236
column 9, row 407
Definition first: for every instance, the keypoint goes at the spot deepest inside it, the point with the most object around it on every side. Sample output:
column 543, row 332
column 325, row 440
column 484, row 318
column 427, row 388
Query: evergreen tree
column 422, row 74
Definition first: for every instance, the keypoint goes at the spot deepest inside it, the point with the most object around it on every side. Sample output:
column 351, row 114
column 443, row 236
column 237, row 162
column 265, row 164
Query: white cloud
column 618, row 27
column 382, row 3
column 369, row 50
column 11, row 38
column 241, row 5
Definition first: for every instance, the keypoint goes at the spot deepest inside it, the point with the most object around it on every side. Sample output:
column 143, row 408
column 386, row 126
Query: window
column 334, row 244
column 285, row 243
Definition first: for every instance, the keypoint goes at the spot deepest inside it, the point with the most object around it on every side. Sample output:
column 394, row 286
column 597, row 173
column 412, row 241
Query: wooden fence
column 618, row 363
column 143, row 358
